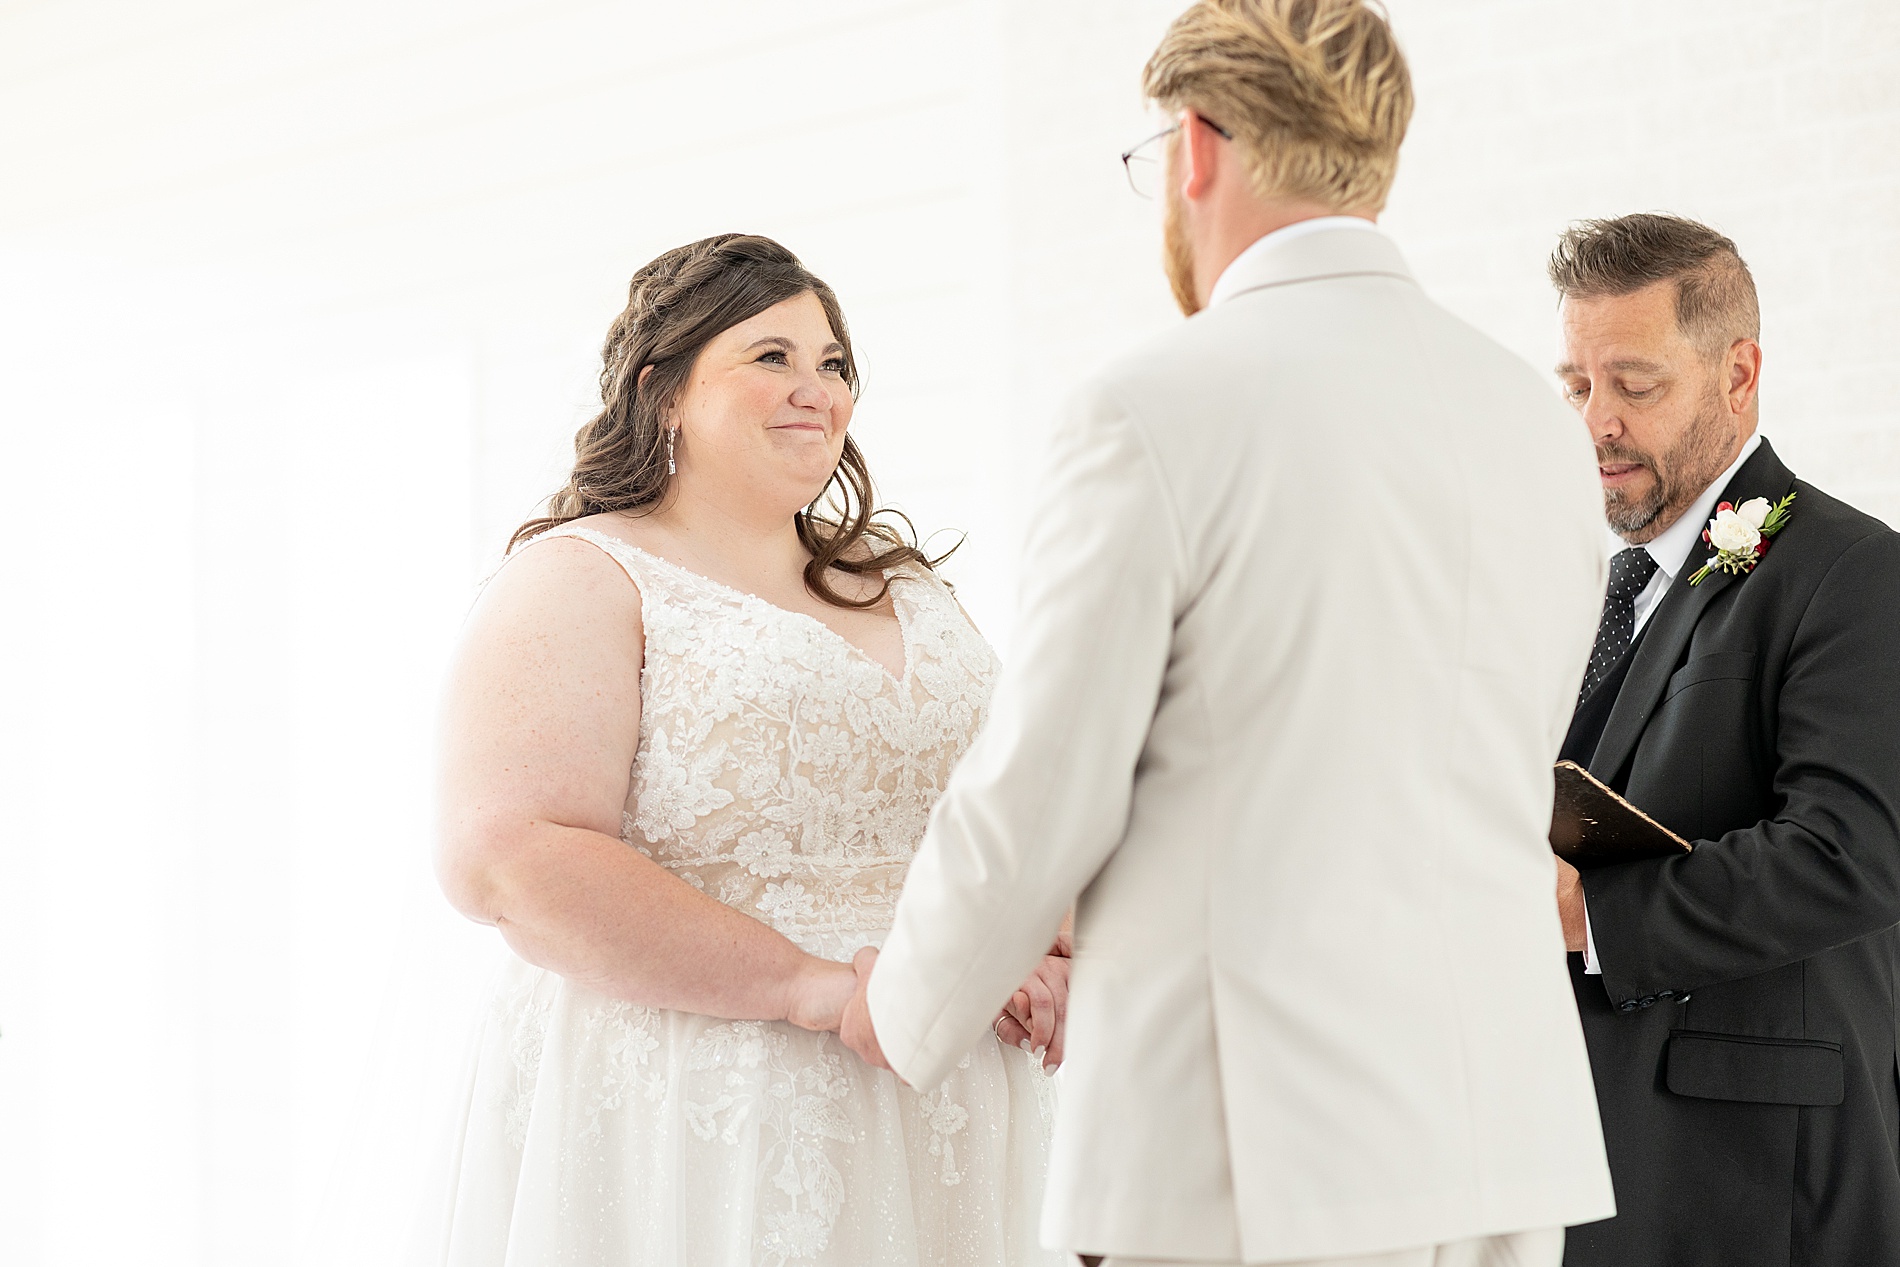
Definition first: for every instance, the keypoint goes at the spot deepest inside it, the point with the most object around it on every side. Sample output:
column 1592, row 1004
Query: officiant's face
column 763, row 418
column 1654, row 403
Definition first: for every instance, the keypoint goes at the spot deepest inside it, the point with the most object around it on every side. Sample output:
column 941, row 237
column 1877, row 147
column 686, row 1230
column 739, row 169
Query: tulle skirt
column 601, row 1133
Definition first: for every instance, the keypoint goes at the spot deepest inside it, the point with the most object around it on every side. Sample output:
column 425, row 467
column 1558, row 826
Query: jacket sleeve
column 1042, row 797
column 1826, row 869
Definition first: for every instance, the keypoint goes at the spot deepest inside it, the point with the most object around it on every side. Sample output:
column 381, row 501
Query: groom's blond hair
column 1314, row 92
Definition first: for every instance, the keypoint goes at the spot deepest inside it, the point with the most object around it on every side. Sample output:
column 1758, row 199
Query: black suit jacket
column 1743, row 1033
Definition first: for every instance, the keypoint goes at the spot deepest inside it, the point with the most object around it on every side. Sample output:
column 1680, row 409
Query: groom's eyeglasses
column 1144, row 163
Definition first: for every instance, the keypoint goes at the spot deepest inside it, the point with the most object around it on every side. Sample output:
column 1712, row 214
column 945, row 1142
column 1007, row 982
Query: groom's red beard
column 1677, row 477
column 1178, row 255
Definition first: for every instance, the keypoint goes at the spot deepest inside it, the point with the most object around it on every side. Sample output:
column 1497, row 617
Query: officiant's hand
column 1570, row 905
column 857, row 1031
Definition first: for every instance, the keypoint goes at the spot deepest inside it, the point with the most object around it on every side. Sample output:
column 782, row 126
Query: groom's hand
column 856, row 1030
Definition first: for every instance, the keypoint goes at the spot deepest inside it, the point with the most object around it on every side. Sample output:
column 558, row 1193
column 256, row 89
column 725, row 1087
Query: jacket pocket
column 1715, row 667
column 1755, row 1070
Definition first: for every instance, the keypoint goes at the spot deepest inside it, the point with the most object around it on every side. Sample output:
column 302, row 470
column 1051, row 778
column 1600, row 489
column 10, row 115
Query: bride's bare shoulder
column 559, row 613
column 567, row 572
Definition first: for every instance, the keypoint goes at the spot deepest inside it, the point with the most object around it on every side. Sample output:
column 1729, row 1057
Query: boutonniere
column 1740, row 535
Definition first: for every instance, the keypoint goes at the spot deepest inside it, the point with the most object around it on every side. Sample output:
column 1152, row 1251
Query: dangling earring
column 672, row 435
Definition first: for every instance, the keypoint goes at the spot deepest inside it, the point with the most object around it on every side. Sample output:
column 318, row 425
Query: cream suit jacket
column 1305, row 606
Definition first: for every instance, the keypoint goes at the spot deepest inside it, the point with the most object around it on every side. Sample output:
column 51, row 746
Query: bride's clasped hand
column 821, row 994
column 1034, row 1019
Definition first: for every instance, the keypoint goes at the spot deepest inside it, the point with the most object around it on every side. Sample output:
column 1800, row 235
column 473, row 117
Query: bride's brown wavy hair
column 676, row 305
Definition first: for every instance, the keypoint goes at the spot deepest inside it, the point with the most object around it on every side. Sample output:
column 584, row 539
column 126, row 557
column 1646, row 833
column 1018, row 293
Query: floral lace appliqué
column 798, row 1113
column 627, row 1036
column 781, row 769
column 523, row 1013
column 946, row 1119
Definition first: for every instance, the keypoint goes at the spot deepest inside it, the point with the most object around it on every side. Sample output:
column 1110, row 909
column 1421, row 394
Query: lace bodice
column 781, row 769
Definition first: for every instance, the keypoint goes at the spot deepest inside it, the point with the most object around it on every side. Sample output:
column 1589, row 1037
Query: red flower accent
column 1705, row 536
column 1722, row 506
column 1761, row 547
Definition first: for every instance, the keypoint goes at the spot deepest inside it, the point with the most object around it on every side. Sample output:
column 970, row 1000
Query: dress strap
column 926, row 588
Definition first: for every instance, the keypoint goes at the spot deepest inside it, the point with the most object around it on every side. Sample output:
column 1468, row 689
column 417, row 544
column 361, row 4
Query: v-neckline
column 897, row 609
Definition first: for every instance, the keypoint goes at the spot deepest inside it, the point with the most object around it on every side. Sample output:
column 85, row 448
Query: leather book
column 1591, row 826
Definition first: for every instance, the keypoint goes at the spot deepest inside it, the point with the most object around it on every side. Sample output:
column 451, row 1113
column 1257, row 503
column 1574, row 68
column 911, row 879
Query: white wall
column 298, row 311
column 1777, row 121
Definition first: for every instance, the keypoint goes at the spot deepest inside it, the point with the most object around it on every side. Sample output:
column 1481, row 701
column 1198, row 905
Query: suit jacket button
column 1627, row 1005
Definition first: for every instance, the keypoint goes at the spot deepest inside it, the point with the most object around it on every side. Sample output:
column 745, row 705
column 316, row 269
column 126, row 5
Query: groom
column 1305, row 607
column 1739, row 1000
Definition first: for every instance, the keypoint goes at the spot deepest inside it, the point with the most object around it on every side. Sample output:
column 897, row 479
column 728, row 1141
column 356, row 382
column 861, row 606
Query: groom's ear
column 1202, row 152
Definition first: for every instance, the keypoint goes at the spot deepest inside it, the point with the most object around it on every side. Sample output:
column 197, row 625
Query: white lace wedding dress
column 786, row 773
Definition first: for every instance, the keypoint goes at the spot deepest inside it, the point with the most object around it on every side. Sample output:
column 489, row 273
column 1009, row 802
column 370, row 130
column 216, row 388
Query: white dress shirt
column 1670, row 550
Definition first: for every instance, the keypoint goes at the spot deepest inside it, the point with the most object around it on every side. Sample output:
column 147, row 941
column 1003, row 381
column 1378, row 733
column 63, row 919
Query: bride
column 690, row 744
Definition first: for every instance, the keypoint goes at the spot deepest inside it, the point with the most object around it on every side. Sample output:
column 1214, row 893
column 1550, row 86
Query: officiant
column 1744, row 690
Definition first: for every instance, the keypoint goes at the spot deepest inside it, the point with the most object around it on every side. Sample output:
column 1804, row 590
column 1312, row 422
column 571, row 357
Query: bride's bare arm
column 540, row 726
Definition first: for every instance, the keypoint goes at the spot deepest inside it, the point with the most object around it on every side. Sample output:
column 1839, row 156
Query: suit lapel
column 1656, row 659
column 1673, row 623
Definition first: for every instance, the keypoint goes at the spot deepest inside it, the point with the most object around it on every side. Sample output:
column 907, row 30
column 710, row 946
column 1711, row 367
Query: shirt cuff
column 1590, row 965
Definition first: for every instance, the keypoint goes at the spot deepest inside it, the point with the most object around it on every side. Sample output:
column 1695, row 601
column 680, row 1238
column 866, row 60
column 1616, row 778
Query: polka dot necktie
column 1630, row 571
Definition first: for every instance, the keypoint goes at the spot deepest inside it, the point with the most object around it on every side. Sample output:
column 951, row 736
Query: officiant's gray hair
column 1315, row 93
column 1715, row 293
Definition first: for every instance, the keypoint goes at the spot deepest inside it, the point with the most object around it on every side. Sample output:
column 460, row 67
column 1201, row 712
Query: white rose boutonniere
column 1740, row 535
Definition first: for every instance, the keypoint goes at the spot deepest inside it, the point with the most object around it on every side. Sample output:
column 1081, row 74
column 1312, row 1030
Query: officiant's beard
column 1179, row 255
column 1681, row 475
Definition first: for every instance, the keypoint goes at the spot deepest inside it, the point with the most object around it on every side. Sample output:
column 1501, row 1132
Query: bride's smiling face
column 762, row 419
